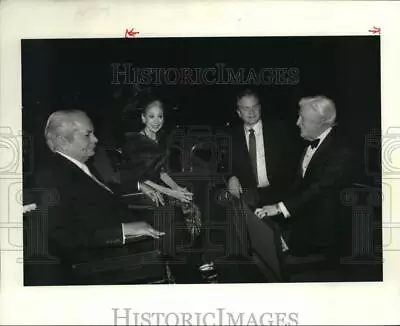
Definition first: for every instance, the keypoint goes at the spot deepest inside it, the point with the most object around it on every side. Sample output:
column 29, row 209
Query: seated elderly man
column 313, row 205
column 88, row 221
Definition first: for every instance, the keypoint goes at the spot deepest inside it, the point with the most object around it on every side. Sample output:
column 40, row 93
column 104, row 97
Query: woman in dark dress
column 149, row 146
column 145, row 155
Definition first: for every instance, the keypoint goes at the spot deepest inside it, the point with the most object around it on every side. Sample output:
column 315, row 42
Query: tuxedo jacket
column 314, row 202
column 282, row 152
column 83, row 219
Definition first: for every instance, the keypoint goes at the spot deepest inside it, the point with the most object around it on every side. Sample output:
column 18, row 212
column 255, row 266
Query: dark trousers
column 299, row 244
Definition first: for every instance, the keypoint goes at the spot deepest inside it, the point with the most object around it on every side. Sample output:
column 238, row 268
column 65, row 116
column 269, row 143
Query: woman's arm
column 162, row 189
column 183, row 196
column 168, row 180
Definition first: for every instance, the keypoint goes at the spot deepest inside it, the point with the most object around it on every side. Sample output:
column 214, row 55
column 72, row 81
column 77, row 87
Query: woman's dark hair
column 145, row 103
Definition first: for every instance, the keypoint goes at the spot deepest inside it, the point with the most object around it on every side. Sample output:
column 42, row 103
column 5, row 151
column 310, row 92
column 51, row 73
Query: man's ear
column 62, row 141
column 239, row 113
column 143, row 119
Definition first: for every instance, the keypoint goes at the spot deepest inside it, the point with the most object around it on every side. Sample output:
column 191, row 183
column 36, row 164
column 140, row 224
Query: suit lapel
column 94, row 171
column 242, row 139
column 76, row 172
column 267, row 148
column 300, row 166
column 299, row 173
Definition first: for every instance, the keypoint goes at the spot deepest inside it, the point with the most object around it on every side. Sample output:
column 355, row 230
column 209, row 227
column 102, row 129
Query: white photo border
column 317, row 303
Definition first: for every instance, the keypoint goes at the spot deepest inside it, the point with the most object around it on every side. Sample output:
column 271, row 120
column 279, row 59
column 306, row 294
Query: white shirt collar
column 257, row 127
column 79, row 164
column 322, row 136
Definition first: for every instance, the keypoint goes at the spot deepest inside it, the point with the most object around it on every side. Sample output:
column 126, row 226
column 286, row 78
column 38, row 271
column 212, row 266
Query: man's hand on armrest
column 272, row 210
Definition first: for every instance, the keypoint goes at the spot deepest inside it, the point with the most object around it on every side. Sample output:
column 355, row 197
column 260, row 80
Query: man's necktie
column 313, row 143
column 253, row 152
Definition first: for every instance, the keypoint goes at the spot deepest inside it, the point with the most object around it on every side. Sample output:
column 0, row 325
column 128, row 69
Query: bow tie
column 313, row 143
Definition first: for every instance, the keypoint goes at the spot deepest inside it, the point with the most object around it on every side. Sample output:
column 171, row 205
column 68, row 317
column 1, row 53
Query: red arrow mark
column 130, row 33
column 375, row 30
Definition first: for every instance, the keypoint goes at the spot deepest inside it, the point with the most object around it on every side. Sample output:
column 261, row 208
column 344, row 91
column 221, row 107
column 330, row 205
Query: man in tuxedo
column 263, row 155
column 313, row 205
column 86, row 220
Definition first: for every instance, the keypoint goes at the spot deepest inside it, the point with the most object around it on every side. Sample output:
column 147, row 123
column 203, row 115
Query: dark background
column 77, row 73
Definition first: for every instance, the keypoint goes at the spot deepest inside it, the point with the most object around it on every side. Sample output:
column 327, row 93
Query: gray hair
column 323, row 106
column 61, row 124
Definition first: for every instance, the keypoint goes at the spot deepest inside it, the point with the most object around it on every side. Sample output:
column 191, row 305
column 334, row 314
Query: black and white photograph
column 201, row 160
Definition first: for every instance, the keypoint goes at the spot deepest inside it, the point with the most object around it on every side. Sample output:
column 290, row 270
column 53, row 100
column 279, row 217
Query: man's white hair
column 324, row 107
column 61, row 125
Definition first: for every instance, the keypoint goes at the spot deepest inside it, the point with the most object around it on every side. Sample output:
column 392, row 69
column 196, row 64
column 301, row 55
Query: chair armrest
column 141, row 207
column 138, row 201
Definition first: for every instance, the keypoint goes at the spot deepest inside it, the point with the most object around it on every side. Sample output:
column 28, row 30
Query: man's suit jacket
column 314, row 203
column 84, row 219
column 282, row 152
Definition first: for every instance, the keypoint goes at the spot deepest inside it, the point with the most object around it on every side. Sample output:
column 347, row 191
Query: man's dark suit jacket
column 282, row 151
column 84, row 219
column 314, row 203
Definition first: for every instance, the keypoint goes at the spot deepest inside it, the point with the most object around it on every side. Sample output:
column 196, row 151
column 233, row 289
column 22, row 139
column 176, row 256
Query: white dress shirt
column 304, row 165
column 261, row 159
